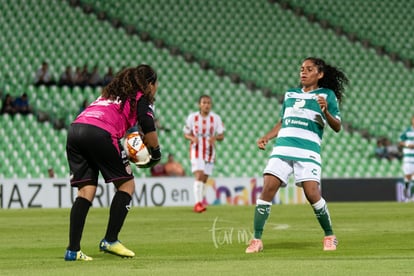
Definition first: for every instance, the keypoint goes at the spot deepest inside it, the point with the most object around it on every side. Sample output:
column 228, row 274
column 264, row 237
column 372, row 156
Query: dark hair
column 333, row 78
column 128, row 82
column 202, row 97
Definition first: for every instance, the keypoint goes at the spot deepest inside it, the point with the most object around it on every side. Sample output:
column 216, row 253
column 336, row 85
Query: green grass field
column 374, row 239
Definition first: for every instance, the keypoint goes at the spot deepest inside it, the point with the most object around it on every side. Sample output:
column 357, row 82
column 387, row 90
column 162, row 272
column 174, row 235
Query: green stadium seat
column 222, row 40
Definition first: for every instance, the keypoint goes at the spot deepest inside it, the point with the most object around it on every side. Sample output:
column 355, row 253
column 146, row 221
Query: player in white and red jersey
column 203, row 128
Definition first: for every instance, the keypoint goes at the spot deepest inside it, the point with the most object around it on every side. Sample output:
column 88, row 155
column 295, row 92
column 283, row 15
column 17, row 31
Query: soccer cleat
column 76, row 256
column 255, row 246
column 330, row 243
column 116, row 248
column 199, row 207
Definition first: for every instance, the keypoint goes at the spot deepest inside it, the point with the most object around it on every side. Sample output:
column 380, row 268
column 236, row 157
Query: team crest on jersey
column 299, row 104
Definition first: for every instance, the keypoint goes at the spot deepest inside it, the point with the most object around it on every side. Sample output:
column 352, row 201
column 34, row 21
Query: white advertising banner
column 157, row 191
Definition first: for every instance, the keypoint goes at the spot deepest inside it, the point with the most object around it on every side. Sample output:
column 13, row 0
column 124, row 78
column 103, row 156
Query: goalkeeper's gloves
column 155, row 158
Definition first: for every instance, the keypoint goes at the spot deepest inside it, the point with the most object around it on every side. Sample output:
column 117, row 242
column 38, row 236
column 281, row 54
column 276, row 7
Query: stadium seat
column 257, row 40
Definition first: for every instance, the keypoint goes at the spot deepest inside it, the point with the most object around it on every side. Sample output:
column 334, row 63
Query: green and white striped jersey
column 303, row 123
column 408, row 137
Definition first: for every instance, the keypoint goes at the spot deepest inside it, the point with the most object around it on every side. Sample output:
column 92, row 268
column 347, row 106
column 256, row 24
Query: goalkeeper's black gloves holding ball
column 155, row 158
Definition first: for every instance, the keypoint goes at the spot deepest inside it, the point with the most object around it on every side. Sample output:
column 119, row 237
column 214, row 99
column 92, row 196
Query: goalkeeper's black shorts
column 91, row 150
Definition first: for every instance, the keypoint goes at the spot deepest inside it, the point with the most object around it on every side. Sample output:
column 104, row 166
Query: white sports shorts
column 201, row 165
column 303, row 171
column 408, row 168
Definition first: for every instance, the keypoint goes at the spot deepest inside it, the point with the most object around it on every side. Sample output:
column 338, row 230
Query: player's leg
column 120, row 173
column 263, row 205
column 199, row 179
column 79, row 211
column 85, row 178
column 262, row 211
column 78, row 214
column 312, row 193
column 308, row 175
column 198, row 167
column 320, row 208
column 119, row 209
column 118, row 212
column 274, row 176
column 208, row 170
column 408, row 169
column 407, row 186
column 198, row 188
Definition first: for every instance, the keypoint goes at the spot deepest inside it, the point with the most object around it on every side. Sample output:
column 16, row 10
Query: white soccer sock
column 319, row 205
column 198, row 190
column 262, row 202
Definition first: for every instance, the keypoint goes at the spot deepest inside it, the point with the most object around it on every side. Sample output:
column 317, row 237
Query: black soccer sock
column 119, row 210
column 78, row 213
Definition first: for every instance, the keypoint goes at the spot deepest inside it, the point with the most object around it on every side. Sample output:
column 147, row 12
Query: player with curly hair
column 305, row 113
column 93, row 146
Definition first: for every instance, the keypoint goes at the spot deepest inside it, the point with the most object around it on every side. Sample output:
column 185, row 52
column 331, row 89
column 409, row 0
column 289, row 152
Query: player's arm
column 188, row 134
column 405, row 144
column 191, row 137
column 402, row 140
column 219, row 137
column 262, row 142
column 333, row 122
column 146, row 123
column 220, row 130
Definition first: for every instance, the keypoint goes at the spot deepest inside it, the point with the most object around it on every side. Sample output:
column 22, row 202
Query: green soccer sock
column 322, row 214
column 261, row 214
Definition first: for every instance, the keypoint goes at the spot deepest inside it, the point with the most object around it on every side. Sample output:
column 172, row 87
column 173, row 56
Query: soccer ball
column 135, row 149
